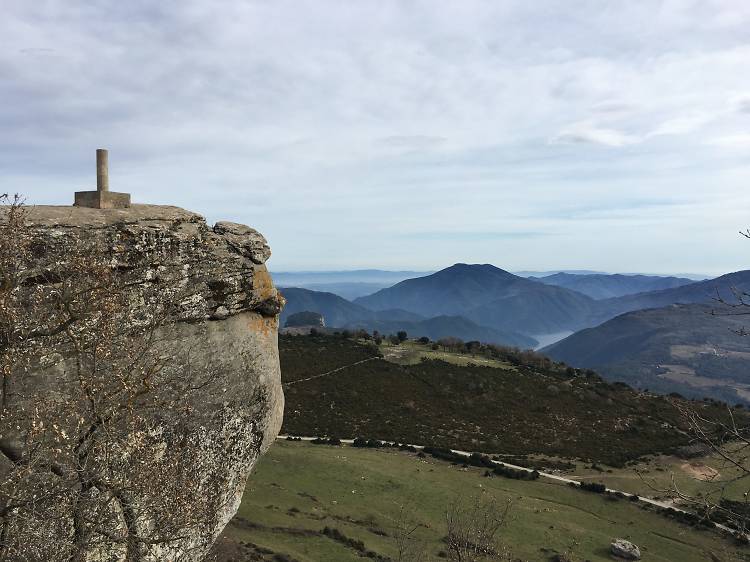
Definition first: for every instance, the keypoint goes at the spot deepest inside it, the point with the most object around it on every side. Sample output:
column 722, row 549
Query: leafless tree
column 87, row 471
column 727, row 439
column 409, row 547
column 473, row 528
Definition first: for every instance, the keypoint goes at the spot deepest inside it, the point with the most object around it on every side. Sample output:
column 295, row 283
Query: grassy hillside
column 531, row 406
column 680, row 348
column 298, row 489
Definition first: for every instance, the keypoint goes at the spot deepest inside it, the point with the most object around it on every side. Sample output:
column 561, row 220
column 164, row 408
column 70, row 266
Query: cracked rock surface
column 226, row 330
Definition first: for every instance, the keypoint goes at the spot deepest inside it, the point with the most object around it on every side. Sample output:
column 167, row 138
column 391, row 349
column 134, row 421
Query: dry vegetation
column 86, row 467
column 522, row 411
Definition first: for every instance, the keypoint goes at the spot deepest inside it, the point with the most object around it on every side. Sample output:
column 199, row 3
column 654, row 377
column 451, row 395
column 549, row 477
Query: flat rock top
column 68, row 215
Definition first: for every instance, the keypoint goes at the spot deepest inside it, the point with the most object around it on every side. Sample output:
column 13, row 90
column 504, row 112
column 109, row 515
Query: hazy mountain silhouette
column 603, row 286
column 337, row 311
column 489, row 296
column 681, row 348
column 341, row 313
column 699, row 292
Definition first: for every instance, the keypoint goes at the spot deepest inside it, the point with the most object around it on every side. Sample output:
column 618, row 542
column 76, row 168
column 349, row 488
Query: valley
column 623, row 326
column 518, row 407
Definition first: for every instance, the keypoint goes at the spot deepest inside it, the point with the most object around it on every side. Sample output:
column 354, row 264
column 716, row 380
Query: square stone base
column 102, row 199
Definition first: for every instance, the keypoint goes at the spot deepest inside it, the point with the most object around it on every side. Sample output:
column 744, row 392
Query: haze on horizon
column 400, row 135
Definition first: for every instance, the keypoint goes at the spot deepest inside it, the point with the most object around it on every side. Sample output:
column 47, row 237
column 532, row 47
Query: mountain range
column 489, row 296
column 603, row 286
column 341, row 313
column 694, row 349
column 630, row 336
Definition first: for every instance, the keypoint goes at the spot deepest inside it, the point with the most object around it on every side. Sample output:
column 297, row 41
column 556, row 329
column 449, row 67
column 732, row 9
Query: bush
column 326, row 441
column 368, row 443
column 515, row 473
column 595, row 487
column 359, row 546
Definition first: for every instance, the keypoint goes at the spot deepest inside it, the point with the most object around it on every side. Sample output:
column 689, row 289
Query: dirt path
column 336, row 370
column 547, row 475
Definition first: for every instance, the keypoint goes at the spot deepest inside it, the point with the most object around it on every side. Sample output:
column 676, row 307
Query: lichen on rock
column 184, row 373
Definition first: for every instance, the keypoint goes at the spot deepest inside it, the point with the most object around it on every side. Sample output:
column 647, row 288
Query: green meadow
column 298, row 489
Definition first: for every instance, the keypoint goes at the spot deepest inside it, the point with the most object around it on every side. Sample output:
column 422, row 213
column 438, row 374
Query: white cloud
column 589, row 133
column 741, row 103
column 360, row 119
column 739, row 141
column 682, row 125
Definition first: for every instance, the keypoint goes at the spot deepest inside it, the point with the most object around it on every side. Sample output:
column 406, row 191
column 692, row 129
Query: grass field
column 412, row 353
column 298, row 489
column 651, row 475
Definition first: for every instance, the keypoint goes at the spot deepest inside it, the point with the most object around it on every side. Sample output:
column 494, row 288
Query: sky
column 604, row 135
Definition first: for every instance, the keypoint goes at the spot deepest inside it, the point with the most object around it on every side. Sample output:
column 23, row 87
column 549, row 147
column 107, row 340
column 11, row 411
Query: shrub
column 595, row 487
column 326, row 441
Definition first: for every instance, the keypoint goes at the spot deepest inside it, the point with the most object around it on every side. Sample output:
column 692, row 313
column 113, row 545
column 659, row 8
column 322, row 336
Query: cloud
column 682, row 125
column 337, row 128
column 591, row 134
column 741, row 103
column 739, row 141
column 467, row 236
column 613, row 107
column 412, row 141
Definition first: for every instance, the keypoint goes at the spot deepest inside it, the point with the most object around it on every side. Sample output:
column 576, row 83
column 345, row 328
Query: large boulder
column 167, row 488
column 625, row 549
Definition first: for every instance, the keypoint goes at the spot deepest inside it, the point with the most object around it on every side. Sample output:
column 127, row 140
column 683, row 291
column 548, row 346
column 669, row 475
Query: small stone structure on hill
column 102, row 198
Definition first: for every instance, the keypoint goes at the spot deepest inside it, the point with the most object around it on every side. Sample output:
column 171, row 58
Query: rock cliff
column 187, row 372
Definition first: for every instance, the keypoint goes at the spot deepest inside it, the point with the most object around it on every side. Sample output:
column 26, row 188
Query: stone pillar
column 102, row 169
column 102, row 198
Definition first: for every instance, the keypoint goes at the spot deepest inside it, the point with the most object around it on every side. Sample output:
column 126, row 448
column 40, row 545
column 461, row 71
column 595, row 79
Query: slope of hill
column 336, row 310
column 699, row 292
column 348, row 289
column 490, row 297
column 340, row 313
column 678, row 348
column 530, row 407
column 447, row 326
column 603, row 286
column 374, row 496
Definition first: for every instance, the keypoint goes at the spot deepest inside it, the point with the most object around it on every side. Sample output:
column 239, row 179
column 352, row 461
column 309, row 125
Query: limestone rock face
column 224, row 338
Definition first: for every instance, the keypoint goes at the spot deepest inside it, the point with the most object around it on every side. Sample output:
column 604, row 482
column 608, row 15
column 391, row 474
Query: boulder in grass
column 625, row 549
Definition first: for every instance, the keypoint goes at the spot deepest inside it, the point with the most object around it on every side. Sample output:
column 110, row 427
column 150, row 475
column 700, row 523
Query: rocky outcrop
column 625, row 550
column 219, row 346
